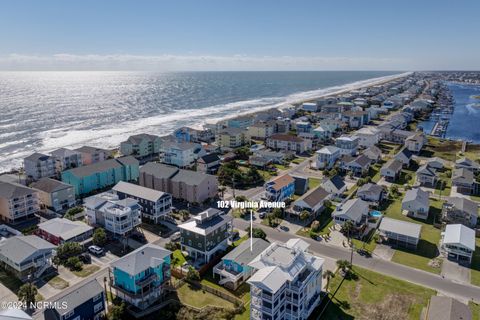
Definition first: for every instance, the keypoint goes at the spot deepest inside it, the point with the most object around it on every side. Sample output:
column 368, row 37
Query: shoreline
column 328, row 91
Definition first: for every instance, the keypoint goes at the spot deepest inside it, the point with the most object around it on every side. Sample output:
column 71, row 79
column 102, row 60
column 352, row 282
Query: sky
column 184, row 35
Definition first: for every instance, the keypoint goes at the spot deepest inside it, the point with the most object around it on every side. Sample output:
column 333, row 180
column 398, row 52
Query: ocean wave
column 109, row 135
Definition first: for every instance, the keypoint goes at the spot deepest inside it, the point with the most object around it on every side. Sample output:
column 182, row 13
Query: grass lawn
column 281, row 166
column 267, row 175
column 178, row 258
column 10, row 281
column 444, row 149
column 198, row 298
column 475, row 308
column 373, row 295
column 429, row 237
column 326, row 221
column 57, row 282
column 313, row 183
column 368, row 244
column 374, row 172
column 237, row 242
column 298, row 160
column 246, row 314
column 86, row 270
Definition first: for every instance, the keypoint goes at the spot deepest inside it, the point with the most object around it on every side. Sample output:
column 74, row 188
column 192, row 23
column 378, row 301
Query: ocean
column 466, row 115
column 42, row 111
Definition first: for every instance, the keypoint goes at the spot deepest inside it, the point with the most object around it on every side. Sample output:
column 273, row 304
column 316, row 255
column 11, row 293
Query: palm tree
column 347, row 228
column 222, row 189
column 328, row 275
column 27, row 294
column 344, row 266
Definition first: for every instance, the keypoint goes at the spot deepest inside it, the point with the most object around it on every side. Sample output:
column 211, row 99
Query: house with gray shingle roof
column 313, row 201
column 404, row 156
column 233, row 270
column 26, row 256
column 60, row 230
column 416, row 202
column 54, row 194
column 468, row 164
column 464, row 180
column 17, row 202
column 85, row 301
column 460, row 210
column 371, row 192
column 391, row 170
column 141, row 145
column 139, row 277
column 354, row 210
column 427, row 176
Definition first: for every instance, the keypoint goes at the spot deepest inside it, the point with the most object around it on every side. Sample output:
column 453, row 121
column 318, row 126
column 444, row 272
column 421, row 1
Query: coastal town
column 338, row 207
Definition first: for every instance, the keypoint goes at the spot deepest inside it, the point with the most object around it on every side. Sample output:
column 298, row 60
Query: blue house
column 140, row 276
column 280, row 189
column 79, row 302
column 102, row 174
column 233, row 270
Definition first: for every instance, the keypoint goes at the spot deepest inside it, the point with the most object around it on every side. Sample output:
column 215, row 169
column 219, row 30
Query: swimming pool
column 375, row 214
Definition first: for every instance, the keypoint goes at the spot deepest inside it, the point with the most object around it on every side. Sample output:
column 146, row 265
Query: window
column 68, row 315
column 97, row 297
column 98, row 307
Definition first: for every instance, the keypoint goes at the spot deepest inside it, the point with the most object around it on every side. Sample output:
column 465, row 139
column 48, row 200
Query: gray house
column 54, row 194
column 26, row 256
column 416, row 202
column 464, row 180
column 460, row 210
column 427, row 176
column 391, row 170
column 206, row 234
column 371, row 192
column 400, row 233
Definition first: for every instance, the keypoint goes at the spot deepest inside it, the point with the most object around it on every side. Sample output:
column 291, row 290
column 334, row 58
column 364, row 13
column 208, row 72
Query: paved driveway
column 384, row 252
column 7, row 295
column 455, row 272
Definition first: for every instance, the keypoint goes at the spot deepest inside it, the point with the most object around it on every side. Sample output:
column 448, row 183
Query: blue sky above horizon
column 239, row 35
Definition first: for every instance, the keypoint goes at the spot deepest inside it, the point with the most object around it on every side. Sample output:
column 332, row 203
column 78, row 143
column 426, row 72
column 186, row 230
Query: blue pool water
column 375, row 214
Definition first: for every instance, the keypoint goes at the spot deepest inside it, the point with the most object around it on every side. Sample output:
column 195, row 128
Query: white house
column 327, row 156
column 347, row 145
column 335, row 185
column 458, row 243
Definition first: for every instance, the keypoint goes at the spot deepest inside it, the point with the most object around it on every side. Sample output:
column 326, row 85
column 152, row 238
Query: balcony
column 147, row 280
column 229, row 274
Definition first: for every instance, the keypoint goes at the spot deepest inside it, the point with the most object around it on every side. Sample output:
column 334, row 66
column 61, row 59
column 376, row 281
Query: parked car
column 261, row 214
column 176, row 236
column 85, row 258
column 138, row 237
column 96, row 250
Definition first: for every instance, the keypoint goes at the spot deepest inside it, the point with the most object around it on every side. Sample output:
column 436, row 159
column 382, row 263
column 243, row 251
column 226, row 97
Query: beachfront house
column 390, row 171
column 26, row 257
column 326, row 157
column 234, row 269
column 100, row 175
column 288, row 142
column 400, row 233
column 310, row 106
column 140, row 277
column 458, row 243
column 416, row 202
column 91, row 155
column 119, row 217
column 156, row 205
column 66, row 159
column 141, row 145
column 280, row 189
column 232, row 137
column 205, row 235
column 17, row 202
column 55, row 195
column 460, row 210
column 39, row 165
column 60, row 230
column 288, row 283
column 242, row 122
column 180, row 154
